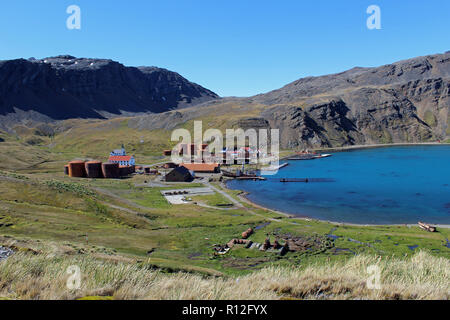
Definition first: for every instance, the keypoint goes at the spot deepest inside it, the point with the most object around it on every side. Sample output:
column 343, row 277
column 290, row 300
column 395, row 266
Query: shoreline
column 243, row 197
column 371, row 146
column 381, row 145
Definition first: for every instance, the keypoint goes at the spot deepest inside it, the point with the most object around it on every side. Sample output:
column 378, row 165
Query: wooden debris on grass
column 426, row 227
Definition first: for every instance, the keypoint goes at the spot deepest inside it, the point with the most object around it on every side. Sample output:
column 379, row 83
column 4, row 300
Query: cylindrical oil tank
column 94, row 169
column 77, row 169
column 66, row 169
column 124, row 171
column 110, row 170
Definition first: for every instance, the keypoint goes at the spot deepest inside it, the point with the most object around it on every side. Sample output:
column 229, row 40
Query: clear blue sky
column 233, row 47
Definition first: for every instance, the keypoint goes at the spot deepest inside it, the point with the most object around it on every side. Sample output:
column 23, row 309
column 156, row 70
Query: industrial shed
column 179, row 174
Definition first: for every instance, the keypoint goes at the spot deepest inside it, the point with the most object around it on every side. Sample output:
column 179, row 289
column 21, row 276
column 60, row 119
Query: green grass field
column 115, row 219
column 132, row 221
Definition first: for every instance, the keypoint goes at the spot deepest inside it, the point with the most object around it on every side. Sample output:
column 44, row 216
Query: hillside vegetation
column 122, row 217
column 131, row 243
column 44, row 276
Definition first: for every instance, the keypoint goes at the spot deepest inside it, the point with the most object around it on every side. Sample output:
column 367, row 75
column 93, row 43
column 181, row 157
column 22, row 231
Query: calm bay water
column 374, row 186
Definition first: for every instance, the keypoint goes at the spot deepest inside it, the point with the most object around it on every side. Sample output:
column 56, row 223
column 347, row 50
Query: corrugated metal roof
column 119, row 158
column 205, row 167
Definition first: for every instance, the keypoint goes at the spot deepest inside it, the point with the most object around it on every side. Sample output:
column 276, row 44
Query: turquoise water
column 371, row 186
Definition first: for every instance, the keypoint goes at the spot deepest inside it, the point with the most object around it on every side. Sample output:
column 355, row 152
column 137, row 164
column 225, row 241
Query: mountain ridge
column 407, row 101
column 65, row 87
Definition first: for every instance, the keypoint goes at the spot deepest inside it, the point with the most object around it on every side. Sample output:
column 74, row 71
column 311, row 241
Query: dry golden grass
column 43, row 276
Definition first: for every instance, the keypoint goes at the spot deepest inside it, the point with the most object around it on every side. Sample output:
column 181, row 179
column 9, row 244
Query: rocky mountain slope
column 408, row 101
column 66, row 87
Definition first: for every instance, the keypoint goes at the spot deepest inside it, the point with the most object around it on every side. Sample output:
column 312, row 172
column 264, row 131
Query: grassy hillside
column 100, row 222
column 47, row 147
column 133, row 221
column 44, row 276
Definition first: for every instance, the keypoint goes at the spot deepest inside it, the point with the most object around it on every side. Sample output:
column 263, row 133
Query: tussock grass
column 43, row 276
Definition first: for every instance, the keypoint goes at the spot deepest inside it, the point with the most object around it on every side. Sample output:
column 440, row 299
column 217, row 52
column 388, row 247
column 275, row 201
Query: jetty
column 309, row 156
column 254, row 178
column 306, row 180
column 229, row 174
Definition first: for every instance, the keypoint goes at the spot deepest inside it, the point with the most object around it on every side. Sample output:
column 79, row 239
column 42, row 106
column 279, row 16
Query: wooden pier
column 255, row 178
column 306, row 180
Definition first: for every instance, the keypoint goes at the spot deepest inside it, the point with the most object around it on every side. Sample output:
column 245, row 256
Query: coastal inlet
column 394, row 185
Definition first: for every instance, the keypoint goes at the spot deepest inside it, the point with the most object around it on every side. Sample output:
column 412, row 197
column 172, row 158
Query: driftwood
column 426, row 227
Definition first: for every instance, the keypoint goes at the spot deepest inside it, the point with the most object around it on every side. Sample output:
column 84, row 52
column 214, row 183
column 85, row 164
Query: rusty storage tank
column 247, row 233
column 266, row 244
column 284, row 249
column 93, row 169
column 66, row 169
column 77, row 169
column 124, row 171
column 110, row 170
column 276, row 244
column 128, row 170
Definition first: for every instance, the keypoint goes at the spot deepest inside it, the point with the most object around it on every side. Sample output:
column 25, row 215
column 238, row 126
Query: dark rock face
column 66, row 87
column 408, row 101
column 253, row 123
